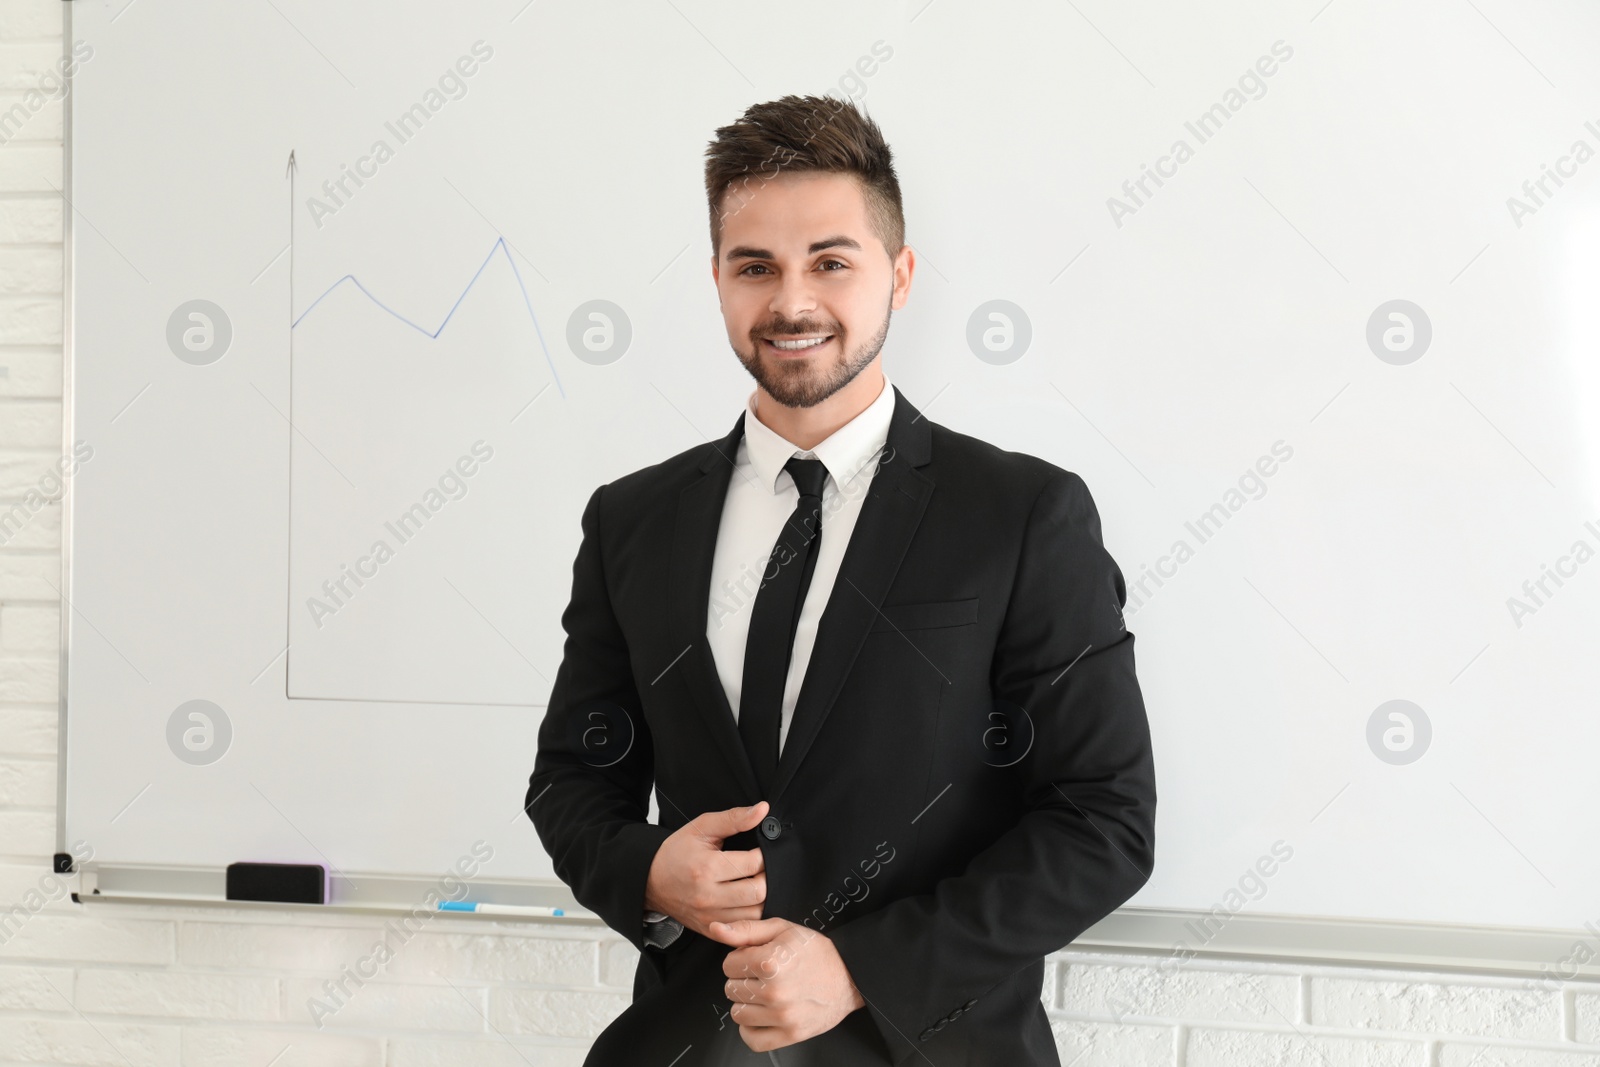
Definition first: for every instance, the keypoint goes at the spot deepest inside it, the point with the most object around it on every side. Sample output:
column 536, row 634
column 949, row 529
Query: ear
column 905, row 265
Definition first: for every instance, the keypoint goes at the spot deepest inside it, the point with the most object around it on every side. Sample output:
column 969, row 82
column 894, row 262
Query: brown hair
column 799, row 134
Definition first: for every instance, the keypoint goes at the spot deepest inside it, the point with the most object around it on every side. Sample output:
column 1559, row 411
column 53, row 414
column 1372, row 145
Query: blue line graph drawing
column 500, row 245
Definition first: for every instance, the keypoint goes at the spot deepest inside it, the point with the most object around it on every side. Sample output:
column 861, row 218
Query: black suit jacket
column 967, row 782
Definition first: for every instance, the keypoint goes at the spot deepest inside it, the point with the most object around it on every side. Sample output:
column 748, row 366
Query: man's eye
column 762, row 267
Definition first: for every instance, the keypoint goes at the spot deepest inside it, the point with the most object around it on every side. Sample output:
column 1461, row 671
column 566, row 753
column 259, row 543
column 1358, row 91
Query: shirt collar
column 845, row 452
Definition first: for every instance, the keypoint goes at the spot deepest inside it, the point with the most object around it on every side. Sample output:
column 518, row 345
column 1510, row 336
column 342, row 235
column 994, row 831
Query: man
column 875, row 670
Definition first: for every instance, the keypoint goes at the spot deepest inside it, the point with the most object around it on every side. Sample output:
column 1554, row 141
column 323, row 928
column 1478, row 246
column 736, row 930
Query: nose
column 795, row 298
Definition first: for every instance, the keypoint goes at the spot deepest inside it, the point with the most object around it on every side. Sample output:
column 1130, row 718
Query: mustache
column 799, row 329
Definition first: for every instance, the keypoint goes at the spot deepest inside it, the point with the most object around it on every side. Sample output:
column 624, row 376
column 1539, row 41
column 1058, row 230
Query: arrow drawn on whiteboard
column 291, row 170
column 288, row 591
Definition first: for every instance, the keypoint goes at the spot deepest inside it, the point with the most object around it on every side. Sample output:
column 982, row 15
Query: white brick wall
column 164, row 987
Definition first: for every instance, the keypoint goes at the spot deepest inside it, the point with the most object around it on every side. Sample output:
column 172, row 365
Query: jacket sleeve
column 1086, row 841
column 589, row 794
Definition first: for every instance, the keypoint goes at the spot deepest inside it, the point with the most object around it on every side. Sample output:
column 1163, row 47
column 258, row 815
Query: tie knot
column 808, row 475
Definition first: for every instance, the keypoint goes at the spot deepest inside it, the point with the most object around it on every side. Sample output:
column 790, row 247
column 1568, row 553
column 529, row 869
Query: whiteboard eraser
column 287, row 883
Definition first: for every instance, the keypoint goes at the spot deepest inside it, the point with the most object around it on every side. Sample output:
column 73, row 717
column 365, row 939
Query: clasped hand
column 787, row 981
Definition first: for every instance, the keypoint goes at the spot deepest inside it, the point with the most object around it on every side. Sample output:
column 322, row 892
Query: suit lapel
column 889, row 518
column 694, row 541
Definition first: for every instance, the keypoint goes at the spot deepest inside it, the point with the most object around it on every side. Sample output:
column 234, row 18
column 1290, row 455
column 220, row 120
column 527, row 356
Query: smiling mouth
column 790, row 346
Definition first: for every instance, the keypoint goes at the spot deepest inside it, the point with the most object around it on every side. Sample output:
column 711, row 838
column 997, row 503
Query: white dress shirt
column 761, row 497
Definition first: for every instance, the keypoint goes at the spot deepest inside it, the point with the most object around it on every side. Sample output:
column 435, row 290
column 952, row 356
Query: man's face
column 806, row 285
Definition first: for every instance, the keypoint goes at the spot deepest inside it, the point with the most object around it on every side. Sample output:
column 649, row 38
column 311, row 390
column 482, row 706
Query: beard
column 804, row 383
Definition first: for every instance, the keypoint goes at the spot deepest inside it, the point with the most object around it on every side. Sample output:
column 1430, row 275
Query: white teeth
column 795, row 346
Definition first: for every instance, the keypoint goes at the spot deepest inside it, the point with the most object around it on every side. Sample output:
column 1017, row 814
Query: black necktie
column 773, row 620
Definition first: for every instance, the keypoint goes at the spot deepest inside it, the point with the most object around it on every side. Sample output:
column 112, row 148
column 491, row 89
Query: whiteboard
column 1292, row 288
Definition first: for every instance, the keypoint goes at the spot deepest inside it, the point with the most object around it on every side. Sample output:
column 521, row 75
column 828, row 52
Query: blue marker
column 500, row 909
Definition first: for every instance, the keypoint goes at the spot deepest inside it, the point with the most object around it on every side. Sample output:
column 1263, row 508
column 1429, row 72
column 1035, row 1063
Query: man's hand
column 693, row 880
column 787, row 982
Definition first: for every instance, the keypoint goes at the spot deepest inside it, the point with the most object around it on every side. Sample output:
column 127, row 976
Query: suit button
column 771, row 828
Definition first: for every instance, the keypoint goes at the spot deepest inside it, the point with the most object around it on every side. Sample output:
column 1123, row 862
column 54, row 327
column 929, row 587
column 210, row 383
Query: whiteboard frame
column 68, row 406
column 1514, row 952
column 1299, row 940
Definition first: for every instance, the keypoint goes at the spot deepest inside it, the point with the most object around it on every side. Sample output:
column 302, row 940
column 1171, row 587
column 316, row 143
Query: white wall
column 121, row 985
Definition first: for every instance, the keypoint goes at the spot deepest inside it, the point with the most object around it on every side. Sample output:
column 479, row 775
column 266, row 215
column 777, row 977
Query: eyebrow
column 837, row 241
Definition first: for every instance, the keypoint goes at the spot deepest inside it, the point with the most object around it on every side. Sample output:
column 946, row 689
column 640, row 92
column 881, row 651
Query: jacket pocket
column 927, row 615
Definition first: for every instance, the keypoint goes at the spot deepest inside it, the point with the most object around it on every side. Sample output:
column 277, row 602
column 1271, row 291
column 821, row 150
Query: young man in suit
column 876, row 671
